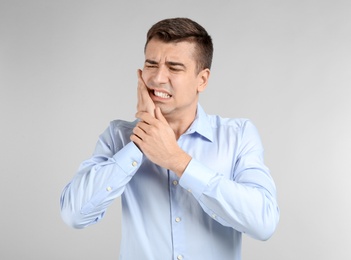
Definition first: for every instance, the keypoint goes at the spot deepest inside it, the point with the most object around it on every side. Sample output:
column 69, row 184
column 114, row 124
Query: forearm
column 247, row 207
column 98, row 182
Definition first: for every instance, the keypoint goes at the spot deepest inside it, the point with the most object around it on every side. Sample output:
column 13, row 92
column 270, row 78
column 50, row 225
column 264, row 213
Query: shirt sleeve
column 247, row 202
column 99, row 180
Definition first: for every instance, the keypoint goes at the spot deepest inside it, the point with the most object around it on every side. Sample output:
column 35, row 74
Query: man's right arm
column 104, row 176
column 99, row 180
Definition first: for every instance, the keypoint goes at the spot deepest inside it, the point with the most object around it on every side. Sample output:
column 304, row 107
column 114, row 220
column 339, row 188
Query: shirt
column 225, row 190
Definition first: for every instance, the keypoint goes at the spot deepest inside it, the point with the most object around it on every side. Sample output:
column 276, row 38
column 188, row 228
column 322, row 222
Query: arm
column 247, row 202
column 98, row 182
column 104, row 176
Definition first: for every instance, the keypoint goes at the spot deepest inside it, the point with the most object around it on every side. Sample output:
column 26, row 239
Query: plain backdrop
column 67, row 68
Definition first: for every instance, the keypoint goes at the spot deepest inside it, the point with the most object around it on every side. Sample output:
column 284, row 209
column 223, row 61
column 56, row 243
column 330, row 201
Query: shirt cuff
column 196, row 178
column 129, row 158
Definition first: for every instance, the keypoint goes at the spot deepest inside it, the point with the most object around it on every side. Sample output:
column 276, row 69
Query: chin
column 164, row 110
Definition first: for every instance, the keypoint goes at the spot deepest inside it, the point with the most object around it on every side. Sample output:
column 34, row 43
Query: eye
column 174, row 69
column 151, row 67
column 149, row 64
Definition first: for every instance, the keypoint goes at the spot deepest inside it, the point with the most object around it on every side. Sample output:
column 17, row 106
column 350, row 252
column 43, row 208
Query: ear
column 203, row 78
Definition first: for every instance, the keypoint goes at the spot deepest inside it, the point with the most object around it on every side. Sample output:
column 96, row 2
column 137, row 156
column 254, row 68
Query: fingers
column 139, row 72
column 147, row 124
column 139, row 75
column 145, row 102
column 139, row 132
column 141, row 82
column 149, row 119
column 142, row 90
column 159, row 115
column 146, row 117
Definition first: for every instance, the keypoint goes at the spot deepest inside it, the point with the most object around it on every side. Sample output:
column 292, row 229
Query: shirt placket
column 177, row 218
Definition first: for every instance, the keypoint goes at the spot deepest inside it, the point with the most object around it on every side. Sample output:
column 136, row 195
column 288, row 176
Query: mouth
column 161, row 94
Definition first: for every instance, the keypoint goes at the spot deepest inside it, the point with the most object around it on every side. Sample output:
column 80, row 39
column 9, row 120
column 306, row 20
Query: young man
column 190, row 183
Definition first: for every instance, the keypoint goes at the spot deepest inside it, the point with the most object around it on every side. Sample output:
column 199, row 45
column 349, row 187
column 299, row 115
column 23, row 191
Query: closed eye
column 176, row 66
column 151, row 66
column 175, row 69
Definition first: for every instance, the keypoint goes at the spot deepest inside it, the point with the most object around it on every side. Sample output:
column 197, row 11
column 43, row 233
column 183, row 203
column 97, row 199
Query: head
column 178, row 55
column 184, row 29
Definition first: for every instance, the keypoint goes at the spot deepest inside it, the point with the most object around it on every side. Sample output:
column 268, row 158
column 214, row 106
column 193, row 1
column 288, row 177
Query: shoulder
column 122, row 125
column 119, row 129
column 233, row 126
column 117, row 134
column 217, row 121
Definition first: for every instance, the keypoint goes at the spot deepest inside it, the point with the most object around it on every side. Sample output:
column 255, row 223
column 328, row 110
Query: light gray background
column 69, row 67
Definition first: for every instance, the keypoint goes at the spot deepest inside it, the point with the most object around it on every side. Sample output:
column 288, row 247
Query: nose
column 161, row 75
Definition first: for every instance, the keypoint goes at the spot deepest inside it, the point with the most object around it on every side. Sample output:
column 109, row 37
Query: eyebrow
column 169, row 63
column 151, row 61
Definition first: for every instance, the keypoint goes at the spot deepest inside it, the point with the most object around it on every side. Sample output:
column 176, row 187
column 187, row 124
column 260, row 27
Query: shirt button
column 175, row 183
column 178, row 219
column 134, row 163
column 179, row 257
column 108, row 188
column 214, row 216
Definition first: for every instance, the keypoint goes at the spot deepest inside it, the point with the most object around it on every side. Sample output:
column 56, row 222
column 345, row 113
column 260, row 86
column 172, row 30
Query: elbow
column 266, row 232
column 72, row 219
column 72, row 216
column 268, row 221
column 78, row 219
column 68, row 212
column 267, row 226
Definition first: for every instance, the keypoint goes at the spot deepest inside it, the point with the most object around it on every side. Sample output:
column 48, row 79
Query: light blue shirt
column 226, row 190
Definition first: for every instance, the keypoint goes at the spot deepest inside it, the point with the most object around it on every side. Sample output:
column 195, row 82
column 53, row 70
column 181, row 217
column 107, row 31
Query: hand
column 145, row 103
column 156, row 139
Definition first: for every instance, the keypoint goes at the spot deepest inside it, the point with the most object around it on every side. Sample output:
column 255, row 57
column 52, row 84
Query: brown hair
column 184, row 29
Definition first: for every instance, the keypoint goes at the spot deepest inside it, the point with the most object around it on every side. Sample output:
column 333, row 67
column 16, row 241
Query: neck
column 179, row 128
column 181, row 123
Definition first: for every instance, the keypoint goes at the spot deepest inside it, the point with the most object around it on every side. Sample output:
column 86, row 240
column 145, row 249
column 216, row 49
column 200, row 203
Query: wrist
column 181, row 162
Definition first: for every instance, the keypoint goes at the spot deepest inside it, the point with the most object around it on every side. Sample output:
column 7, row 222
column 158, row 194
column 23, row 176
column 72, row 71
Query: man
column 190, row 183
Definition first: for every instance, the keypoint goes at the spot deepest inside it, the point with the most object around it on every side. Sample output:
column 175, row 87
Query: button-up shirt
column 225, row 191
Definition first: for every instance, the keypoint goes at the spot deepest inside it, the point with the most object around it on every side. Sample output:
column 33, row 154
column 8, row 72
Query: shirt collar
column 201, row 124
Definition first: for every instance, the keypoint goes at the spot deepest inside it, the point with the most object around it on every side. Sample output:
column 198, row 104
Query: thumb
column 159, row 115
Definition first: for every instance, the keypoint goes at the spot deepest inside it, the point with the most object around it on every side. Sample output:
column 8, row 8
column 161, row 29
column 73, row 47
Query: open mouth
column 161, row 94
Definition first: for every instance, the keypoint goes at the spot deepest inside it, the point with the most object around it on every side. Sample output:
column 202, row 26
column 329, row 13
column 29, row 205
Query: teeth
column 161, row 94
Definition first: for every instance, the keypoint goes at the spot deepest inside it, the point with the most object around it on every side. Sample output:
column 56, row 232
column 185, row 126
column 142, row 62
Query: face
column 171, row 77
